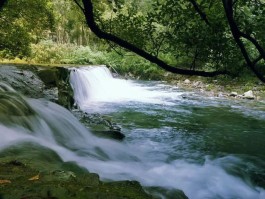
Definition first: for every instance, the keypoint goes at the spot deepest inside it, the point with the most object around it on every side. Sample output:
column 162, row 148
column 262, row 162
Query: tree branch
column 255, row 61
column 200, row 12
column 89, row 14
column 237, row 34
column 254, row 42
column 2, row 3
column 79, row 5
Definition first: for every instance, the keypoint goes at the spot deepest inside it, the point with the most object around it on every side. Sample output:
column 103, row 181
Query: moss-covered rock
column 65, row 91
column 48, row 76
column 35, row 172
column 18, row 180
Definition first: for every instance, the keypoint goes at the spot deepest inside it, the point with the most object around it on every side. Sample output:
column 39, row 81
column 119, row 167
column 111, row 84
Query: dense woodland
column 195, row 37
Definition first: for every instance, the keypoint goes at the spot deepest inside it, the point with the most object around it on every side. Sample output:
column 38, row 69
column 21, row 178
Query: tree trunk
column 237, row 34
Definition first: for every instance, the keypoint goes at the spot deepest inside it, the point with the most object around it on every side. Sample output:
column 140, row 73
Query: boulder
column 65, row 91
column 117, row 135
column 249, row 95
column 48, row 76
column 197, row 84
column 233, row 94
column 186, row 81
column 220, row 94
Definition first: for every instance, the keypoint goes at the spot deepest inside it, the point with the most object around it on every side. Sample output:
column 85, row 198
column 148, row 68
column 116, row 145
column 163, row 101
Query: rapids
column 207, row 147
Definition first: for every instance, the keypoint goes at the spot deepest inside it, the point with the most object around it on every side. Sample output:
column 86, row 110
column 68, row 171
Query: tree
column 248, row 34
column 19, row 27
column 2, row 2
column 192, row 31
column 89, row 14
column 228, row 7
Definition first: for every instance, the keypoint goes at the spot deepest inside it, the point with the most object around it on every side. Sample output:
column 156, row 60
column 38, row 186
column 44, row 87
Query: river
column 207, row 147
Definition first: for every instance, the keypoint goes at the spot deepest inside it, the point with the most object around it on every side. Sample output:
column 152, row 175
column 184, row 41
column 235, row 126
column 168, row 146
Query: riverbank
column 225, row 87
column 220, row 86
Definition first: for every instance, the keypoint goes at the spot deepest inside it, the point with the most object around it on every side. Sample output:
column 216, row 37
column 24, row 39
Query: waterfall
column 96, row 83
column 50, row 125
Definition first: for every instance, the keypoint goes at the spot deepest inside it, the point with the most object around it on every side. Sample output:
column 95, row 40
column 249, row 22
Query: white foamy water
column 96, row 84
column 56, row 128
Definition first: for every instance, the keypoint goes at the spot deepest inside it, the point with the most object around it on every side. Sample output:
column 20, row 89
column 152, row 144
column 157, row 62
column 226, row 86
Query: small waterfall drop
column 50, row 125
column 97, row 84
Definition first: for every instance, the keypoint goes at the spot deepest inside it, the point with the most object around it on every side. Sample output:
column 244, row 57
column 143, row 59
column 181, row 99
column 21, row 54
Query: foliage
column 70, row 26
column 52, row 53
column 177, row 29
column 173, row 31
column 19, row 27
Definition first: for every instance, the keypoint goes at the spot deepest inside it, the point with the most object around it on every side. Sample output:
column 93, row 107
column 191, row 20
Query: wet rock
column 48, row 76
column 23, row 79
column 159, row 192
column 198, row 84
column 220, row 94
column 233, row 94
column 103, row 127
column 249, row 95
column 50, row 186
column 110, row 134
column 65, row 91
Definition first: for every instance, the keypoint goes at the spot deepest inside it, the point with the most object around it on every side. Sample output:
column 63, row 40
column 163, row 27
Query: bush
column 51, row 53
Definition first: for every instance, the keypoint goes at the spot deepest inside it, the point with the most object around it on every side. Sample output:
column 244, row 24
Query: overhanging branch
column 89, row 14
column 78, row 4
column 2, row 2
column 200, row 12
column 237, row 34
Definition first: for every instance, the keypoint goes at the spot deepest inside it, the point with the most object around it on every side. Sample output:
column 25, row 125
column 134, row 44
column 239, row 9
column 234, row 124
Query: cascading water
column 166, row 154
column 96, row 84
column 170, row 142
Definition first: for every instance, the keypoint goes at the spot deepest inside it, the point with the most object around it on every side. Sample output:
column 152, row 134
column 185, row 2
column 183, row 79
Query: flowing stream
column 208, row 147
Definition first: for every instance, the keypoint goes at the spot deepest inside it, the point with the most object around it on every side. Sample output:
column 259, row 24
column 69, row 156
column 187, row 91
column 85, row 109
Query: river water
column 207, row 147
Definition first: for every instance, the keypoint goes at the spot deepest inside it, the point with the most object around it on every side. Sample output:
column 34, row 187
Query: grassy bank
column 126, row 64
column 120, row 61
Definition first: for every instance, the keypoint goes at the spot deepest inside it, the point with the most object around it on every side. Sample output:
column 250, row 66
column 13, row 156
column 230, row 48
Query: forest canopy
column 195, row 37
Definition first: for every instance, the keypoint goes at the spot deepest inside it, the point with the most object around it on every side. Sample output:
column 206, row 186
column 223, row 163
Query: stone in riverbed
column 186, row 81
column 233, row 94
column 117, row 135
column 197, row 84
column 249, row 95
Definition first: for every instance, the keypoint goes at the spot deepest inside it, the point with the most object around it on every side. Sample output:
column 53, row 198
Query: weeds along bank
column 129, row 65
column 124, row 63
